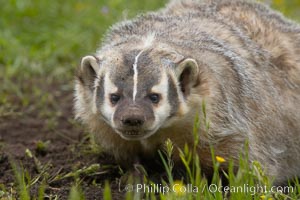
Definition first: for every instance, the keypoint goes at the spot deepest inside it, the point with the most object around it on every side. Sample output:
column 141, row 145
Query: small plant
column 76, row 193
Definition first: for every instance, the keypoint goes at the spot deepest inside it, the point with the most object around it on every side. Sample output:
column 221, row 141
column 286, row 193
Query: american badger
column 148, row 80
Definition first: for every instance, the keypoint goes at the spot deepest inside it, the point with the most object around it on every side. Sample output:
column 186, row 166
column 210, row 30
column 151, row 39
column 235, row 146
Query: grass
column 41, row 43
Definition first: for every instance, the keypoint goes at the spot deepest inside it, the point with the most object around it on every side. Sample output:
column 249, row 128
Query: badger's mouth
column 134, row 134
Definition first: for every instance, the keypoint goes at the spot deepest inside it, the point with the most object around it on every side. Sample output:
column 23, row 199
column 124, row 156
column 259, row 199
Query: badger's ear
column 187, row 72
column 87, row 71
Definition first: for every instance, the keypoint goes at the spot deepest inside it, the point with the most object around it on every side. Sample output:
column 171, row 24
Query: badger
column 148, row 81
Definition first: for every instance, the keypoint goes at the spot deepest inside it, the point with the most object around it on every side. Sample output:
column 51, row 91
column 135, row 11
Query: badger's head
column 138, row 90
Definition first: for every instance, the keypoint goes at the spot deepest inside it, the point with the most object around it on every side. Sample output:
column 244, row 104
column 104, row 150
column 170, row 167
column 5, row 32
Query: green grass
column 41, row 43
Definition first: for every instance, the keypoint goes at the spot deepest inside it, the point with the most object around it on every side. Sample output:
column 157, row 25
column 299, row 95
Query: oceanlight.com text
column 213, row 188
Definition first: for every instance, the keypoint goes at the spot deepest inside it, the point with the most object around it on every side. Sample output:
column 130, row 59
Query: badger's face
column 139, row 91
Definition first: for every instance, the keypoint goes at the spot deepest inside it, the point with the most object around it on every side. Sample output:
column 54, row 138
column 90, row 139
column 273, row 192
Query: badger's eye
column 154, row 98
column 114, row 98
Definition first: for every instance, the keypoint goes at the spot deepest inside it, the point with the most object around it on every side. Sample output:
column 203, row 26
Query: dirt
column 58, row 144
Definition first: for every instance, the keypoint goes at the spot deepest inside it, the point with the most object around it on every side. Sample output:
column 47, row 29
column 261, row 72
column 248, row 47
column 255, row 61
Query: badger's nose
column 133, row 121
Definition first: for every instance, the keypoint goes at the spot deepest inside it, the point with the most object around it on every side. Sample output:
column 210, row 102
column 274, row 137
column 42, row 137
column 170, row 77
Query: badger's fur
column 148, row 81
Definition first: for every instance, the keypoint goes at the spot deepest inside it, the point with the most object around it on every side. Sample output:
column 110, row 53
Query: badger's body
column 150, row 77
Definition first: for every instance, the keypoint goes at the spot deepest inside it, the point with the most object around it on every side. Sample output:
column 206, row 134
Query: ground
column 61, row 148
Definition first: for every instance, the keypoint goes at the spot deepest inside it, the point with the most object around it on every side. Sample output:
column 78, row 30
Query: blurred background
column 41, row 42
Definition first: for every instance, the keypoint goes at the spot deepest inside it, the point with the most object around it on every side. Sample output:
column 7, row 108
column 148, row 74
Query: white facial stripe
column 147, row 43
column 182, row 105
column 135, row 75
column 149, row 39
column 164, row 108
column 106, row 109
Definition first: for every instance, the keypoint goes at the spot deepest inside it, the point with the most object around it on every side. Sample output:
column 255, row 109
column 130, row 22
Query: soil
column 58, row 144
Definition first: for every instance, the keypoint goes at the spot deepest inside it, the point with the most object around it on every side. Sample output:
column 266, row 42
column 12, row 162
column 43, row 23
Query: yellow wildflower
column 179, row 188
column 220, row 159
column 263, row 197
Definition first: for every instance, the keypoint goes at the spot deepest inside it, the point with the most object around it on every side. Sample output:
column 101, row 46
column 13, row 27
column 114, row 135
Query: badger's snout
column 131, row 117
column 133, row 120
